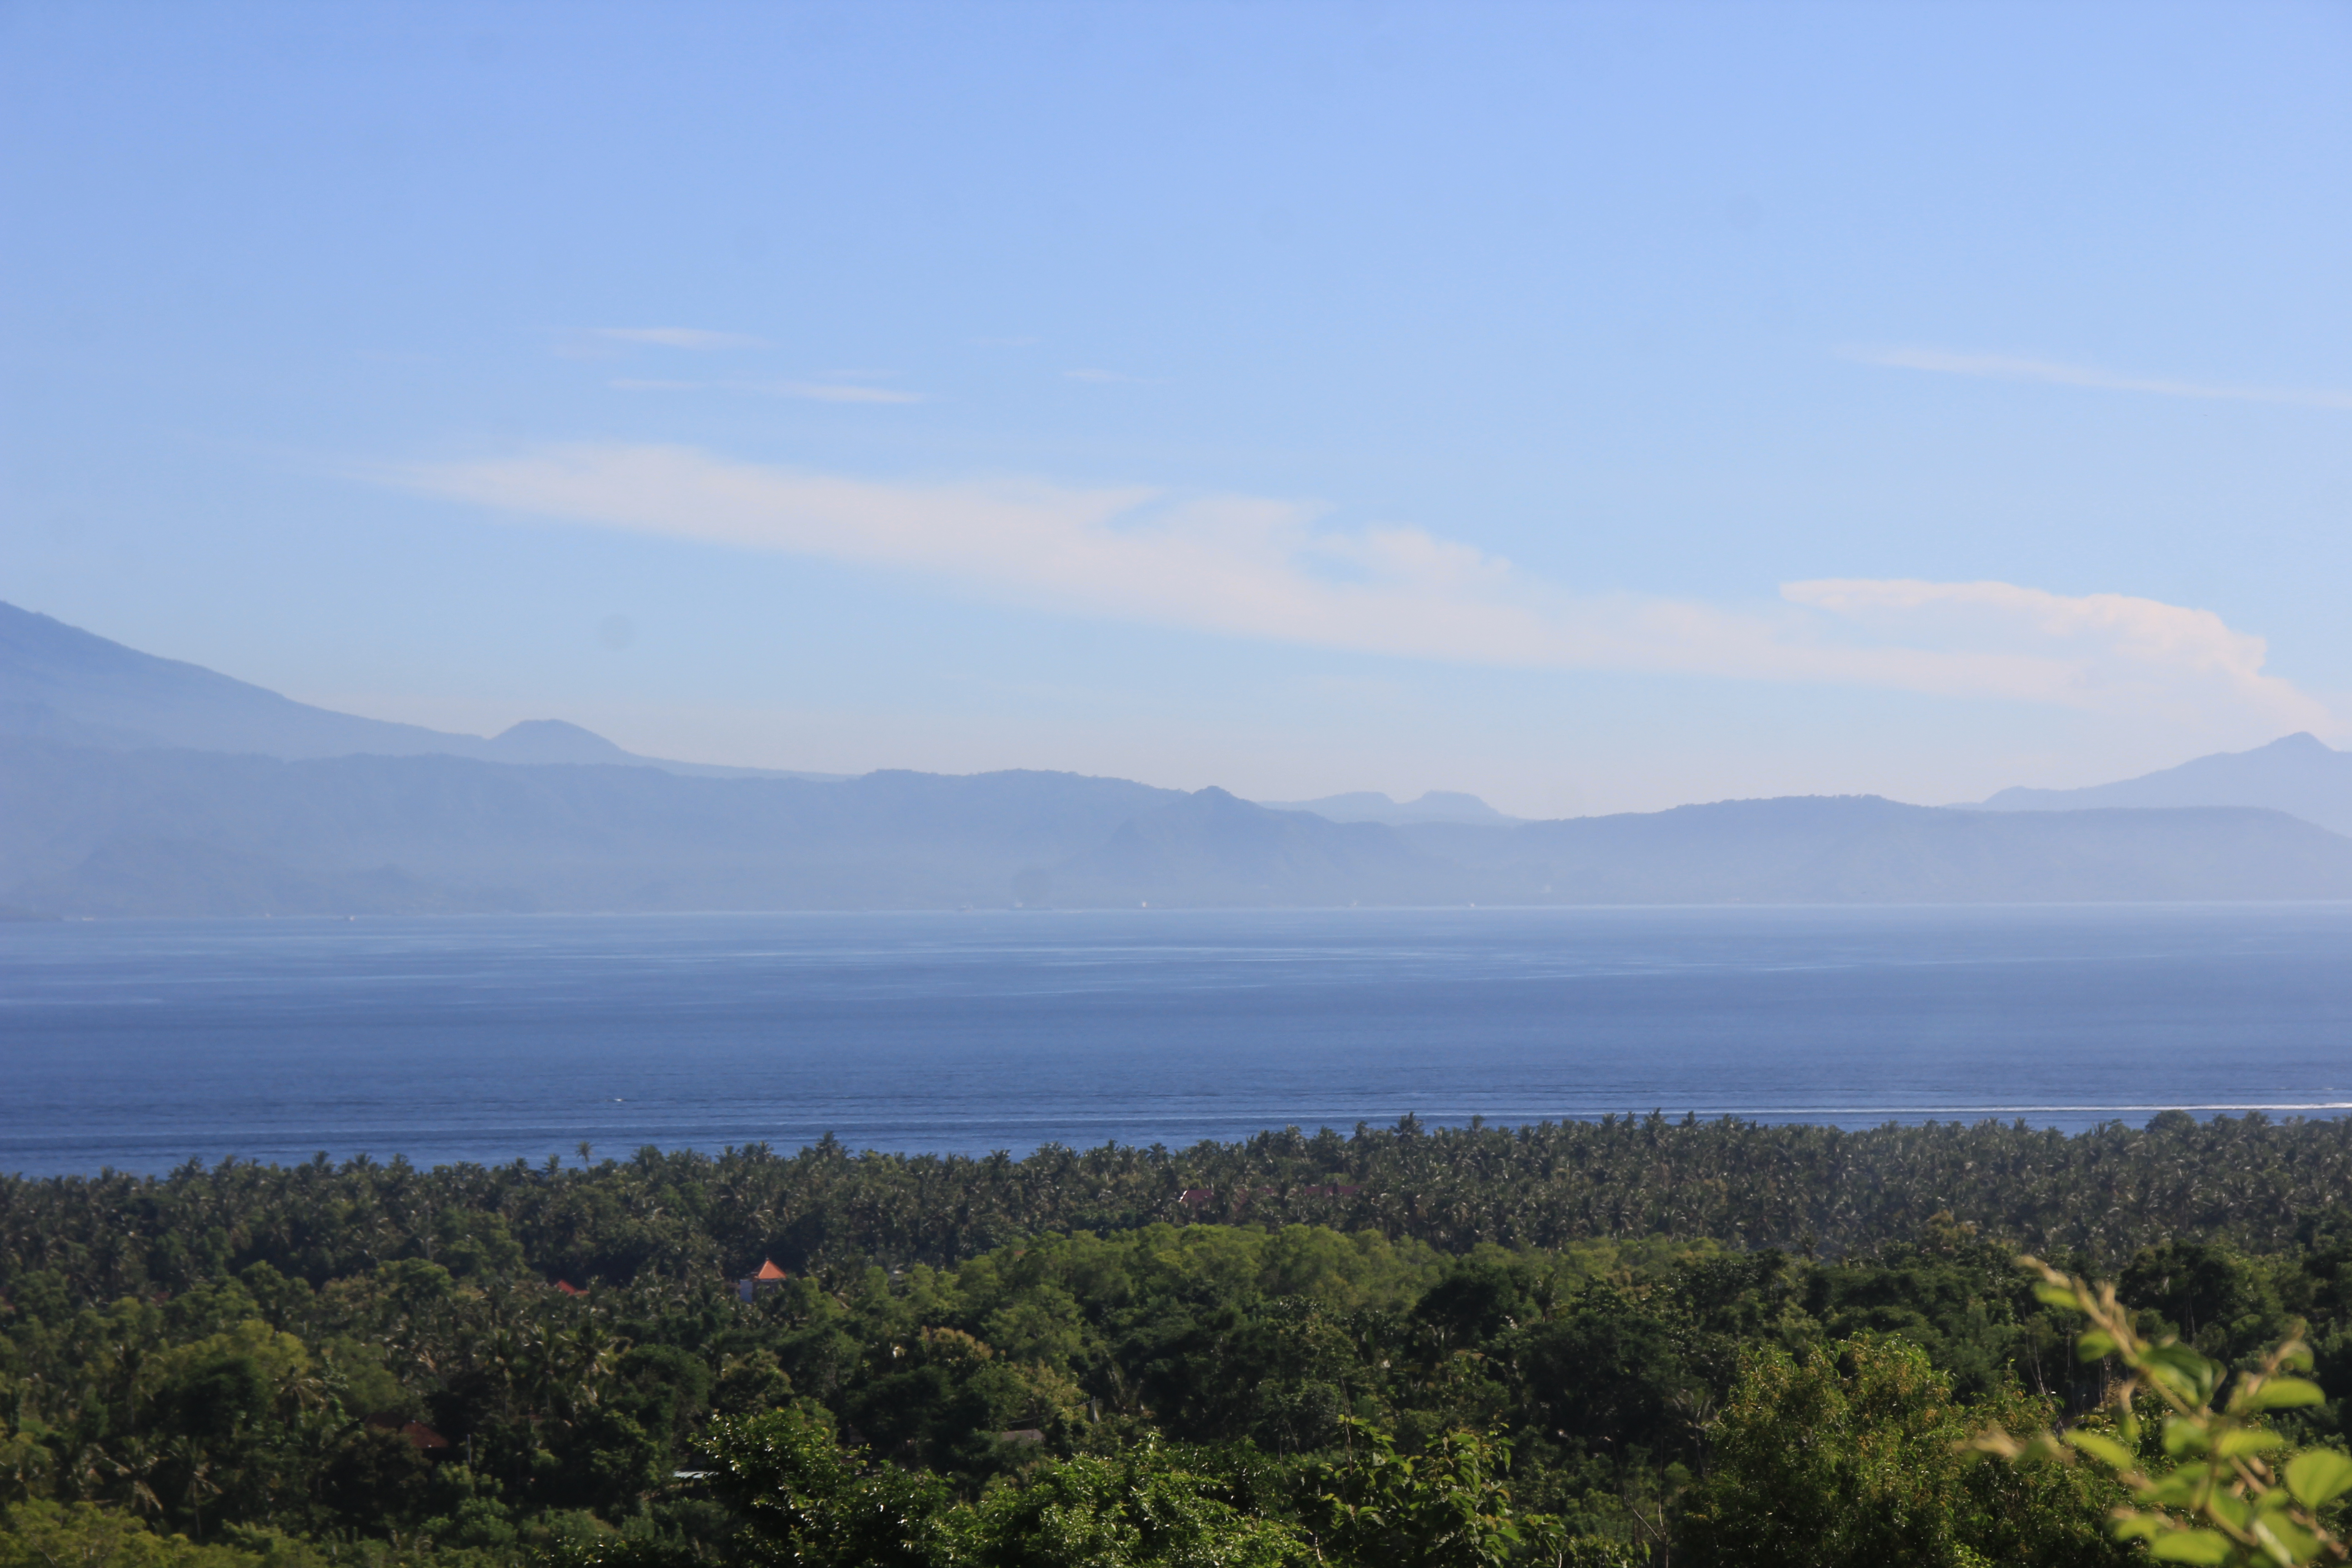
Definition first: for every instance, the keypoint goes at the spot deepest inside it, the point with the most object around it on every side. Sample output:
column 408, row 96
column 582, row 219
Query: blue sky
column 1595, row 407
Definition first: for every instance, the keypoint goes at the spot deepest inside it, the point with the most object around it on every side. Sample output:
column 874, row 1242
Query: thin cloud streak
column 1251, row 567
column 833, row 392
column 2001, row 367
column 812, row 391
column 680, row 338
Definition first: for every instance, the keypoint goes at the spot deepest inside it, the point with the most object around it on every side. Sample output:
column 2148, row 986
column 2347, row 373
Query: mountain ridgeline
column 131, row 786
column 2301, row 775
column 62, row 684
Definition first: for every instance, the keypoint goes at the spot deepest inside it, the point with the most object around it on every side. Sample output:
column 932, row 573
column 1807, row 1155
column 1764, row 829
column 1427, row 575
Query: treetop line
column 1641, row 1340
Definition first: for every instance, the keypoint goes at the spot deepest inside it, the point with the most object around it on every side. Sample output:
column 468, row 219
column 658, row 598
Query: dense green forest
column 1623, row 1342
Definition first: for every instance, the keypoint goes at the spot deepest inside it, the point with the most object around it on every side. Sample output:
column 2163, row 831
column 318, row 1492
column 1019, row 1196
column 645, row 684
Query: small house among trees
column 767, row 1279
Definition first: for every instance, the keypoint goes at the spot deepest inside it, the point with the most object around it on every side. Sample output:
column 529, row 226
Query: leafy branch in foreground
column 1450, row 1505
column 2229, row 1489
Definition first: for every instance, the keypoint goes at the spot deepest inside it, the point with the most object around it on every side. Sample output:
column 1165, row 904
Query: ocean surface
column 141, row 1044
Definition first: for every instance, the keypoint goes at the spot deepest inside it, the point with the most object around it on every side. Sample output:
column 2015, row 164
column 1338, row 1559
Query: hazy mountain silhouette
column 2301, row 775
column 131, row 785
column 545, row 741
column 1212, row 848
column 1369, row 805
column 60, row 683
column 99, row 832
column 79, row 824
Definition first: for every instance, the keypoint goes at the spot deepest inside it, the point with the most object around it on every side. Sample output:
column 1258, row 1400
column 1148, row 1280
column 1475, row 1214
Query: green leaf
column 2057, row 1296
column 2247, row 1440
column 2184, row 1436
column 2095, row 1343
column 2105, row 1449
column 2287, row 1539
column 2317, row 1476
column 2190, row 1546
column 2285, row 1394
column 2184, row 1368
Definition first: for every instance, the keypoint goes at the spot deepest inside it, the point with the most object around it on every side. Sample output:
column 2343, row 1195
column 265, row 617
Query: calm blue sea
column 140, row 1045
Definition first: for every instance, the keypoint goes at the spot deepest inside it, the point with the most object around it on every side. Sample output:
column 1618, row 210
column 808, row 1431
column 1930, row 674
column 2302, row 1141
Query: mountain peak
column 71, row 687
column 553, row 740
column 2299, row 774
column 1371, row 805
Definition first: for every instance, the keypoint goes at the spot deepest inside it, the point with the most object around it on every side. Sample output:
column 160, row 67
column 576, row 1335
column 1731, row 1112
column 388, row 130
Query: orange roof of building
column 417, row 1432
column 768, row 1270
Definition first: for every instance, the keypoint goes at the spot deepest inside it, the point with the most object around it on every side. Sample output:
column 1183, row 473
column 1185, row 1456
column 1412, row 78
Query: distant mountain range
column 2301, row 775
column 60, row 683
column 133, row 786
column 1365, row 805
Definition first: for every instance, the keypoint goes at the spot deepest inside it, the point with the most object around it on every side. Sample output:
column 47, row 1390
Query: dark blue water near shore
column 142, row 1043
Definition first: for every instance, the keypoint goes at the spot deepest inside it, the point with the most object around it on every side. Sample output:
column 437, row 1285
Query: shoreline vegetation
column 1637, row 1340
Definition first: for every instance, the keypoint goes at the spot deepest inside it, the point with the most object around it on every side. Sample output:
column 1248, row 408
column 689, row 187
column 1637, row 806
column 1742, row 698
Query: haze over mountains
column 2301, row 775
column 135, row 785
column 1368, row 805
column 60, row 683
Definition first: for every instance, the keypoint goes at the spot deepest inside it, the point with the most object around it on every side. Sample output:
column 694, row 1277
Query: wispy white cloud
column 1253, row 567
column 2002, row 367
column 833, row 392
column 814, row 391
column 2093, row 651
column 680, row 338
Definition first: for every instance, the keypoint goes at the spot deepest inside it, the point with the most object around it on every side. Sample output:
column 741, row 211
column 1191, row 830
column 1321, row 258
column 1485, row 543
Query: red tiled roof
column 417, row 1432
column 768, row 1270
